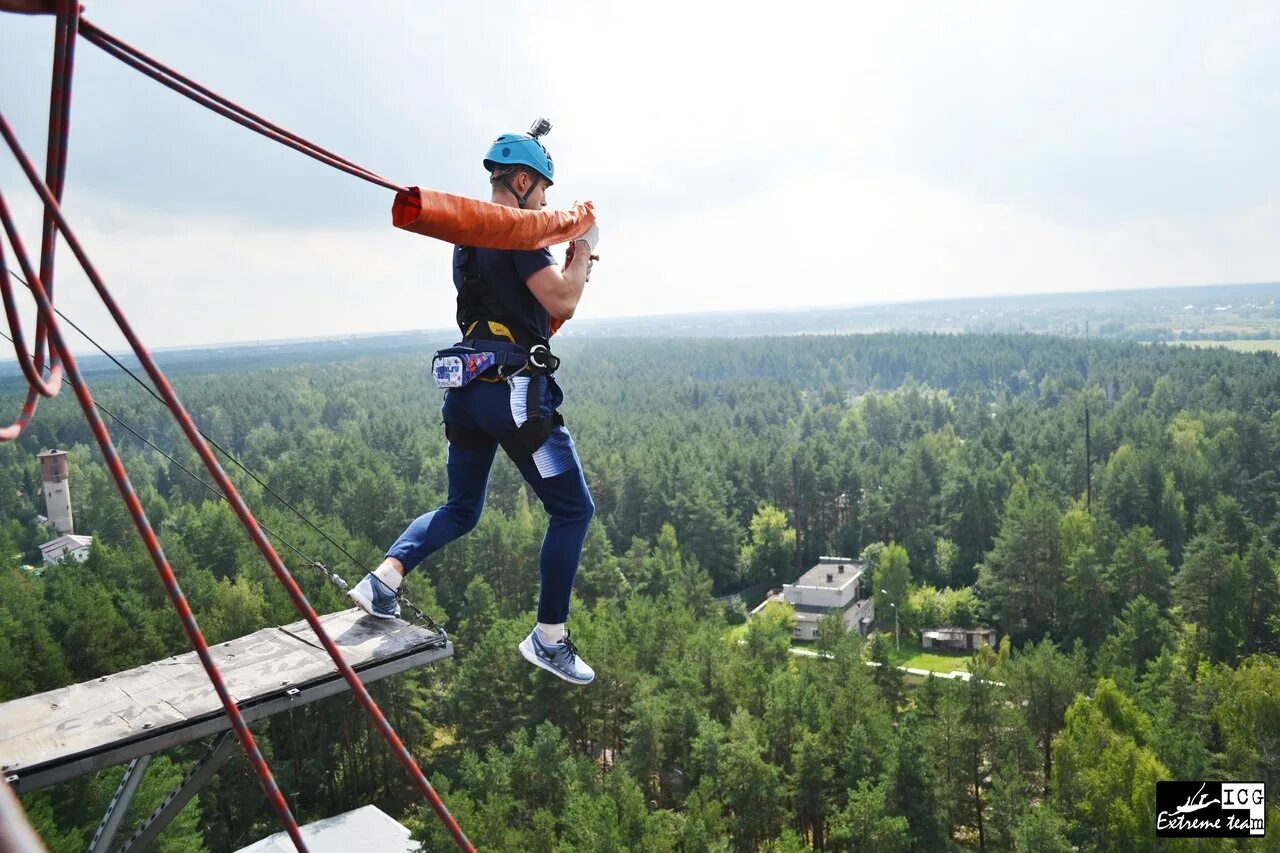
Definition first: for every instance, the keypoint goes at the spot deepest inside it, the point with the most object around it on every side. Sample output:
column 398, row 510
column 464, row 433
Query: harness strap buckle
column 541, row 359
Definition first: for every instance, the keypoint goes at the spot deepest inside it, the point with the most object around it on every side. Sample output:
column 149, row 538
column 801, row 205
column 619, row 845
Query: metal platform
column 68, row 732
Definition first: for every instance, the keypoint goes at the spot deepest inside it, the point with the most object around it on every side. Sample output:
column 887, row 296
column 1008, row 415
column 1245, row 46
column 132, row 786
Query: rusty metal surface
column 62, row 725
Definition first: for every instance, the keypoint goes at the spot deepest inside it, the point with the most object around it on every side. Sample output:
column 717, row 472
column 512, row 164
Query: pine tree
column 1260, row 621
column 1020, row 579
column 479, row 609
column 1210, row 588
column 1043, row 682
column 1171, row 520
column 1140, row 567
column 810, row 780
column 599, row 573
column 752, row 787
column 1042, row 830
column 916, row 796
column 888, row 678
column 866, row 825
column 1139, row 635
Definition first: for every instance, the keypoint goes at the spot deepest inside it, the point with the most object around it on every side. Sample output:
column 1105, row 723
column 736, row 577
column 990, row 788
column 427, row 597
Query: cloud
column 741, row 157
column 1101, row 114
column 1243, row 51
column 839, row 237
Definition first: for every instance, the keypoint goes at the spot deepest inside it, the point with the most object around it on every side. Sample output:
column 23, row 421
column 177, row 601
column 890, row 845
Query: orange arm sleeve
column 469, row 222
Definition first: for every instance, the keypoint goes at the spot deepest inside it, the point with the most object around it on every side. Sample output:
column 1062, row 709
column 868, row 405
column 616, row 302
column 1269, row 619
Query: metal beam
column 24, row 780
column 119, row 804
column 197, row 777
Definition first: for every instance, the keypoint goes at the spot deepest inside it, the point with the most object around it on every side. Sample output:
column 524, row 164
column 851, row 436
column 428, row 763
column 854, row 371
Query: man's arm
column 558, row 292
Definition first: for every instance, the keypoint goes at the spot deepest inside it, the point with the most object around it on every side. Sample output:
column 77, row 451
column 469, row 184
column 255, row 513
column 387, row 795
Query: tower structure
column 57, row 489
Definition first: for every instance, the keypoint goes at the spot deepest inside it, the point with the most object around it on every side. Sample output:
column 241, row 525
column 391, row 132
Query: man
column 508, row 302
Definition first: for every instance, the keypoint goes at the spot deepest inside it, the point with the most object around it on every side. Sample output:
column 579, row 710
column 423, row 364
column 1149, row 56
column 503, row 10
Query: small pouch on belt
column 455, row 367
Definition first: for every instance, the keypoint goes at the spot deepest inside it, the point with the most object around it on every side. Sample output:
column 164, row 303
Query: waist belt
column 510, row 359
column 537, row 360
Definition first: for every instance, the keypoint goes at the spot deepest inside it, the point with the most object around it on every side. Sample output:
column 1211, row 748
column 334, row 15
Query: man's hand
column 592, row 237
column 572, row 252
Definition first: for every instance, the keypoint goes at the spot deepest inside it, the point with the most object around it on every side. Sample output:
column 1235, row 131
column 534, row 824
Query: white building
column 834, row 585
column 66, row 545
column 957, row 639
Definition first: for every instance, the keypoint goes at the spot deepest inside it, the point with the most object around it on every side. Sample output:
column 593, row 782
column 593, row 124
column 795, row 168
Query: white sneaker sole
column 526, row 649
column 366, row 605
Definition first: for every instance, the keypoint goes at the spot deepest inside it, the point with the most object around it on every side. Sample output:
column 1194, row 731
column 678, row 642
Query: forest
column 1131, row 577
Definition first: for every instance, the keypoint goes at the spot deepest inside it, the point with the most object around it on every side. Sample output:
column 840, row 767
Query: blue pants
column 497, row 409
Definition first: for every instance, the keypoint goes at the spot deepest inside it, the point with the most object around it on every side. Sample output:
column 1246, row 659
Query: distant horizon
column 642, row 318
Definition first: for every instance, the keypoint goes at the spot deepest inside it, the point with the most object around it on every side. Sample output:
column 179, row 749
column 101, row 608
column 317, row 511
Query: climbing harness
column 507, row 346
column 538, row 364
column 497, row 345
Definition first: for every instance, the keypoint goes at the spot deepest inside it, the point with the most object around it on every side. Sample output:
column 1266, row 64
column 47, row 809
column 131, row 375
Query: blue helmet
column 518, row 149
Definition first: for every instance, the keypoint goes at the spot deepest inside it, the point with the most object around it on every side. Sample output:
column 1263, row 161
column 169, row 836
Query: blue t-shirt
column 505, row 273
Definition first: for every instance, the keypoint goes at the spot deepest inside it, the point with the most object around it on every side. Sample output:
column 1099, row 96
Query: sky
column 741, row 156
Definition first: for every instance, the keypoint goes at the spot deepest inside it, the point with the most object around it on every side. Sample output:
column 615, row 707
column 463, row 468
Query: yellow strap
column 496, row 328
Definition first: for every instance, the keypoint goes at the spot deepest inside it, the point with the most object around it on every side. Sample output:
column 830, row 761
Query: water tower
column 57, row 488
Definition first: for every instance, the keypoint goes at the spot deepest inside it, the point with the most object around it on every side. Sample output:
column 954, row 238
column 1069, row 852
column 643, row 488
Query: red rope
column 220, row 477
column 49, row 195
column 211, row 100
column 55, row 170
column 35, row 385
column 32, row 363
column 139, row 516
column 31, row 368
column 49, row 338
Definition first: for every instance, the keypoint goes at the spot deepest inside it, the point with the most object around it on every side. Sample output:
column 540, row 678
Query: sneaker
column 375, row 598
column 561, row 658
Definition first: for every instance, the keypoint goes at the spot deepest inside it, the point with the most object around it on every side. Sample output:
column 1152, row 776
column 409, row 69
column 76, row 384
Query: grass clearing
column 1271, row 345
column 918, row 657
